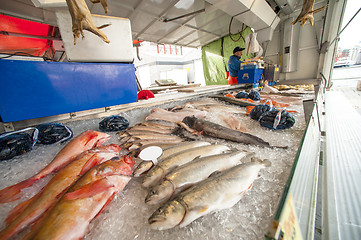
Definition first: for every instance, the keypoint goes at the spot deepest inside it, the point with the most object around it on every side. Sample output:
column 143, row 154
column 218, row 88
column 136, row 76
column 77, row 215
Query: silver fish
column 179, row 159
column 192, row 173
column 216, row 193
column 146, row 165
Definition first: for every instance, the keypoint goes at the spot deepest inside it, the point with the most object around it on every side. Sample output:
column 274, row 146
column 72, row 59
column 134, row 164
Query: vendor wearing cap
column 234, row 65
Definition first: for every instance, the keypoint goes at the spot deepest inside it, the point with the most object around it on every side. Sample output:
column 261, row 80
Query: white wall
column 308, row 65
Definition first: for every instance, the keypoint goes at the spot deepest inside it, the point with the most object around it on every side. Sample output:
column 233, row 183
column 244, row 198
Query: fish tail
column 13, row 192
column 16, row 211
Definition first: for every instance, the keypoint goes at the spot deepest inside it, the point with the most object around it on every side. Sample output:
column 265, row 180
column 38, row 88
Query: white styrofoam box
column 92, row 48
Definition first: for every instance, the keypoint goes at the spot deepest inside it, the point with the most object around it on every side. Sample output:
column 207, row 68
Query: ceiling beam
column 171, row 4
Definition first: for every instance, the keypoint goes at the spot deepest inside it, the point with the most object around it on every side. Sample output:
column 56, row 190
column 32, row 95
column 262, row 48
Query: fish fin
column 89, row 137
column 105, row 205
column 62, row 193
column 14, row 213
column 13, row 192
column 93, row 161
column 265, row 162
column 89, row 189
column 200, row 209
column 214, row 174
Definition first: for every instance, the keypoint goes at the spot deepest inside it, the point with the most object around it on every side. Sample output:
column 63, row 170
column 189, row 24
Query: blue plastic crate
column 249, row 75
column 249, row 66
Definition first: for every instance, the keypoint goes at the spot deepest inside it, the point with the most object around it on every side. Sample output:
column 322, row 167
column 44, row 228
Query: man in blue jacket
column 234, row 65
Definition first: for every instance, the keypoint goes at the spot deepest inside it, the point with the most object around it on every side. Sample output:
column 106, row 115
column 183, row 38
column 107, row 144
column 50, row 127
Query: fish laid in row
column 196, row 125
column 219, row 192
column 162, row 114
column 85, row 141
column 146, row 165
column 192, row 173
column 31, row 210
column 179, row 159
column 86, row 199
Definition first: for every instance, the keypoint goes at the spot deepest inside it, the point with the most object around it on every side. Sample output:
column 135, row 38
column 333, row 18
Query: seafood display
column 197, row 174
column 162, row 114
column 193, row 173
column 160, row 170
column 218, row 192
column 31, row 210
column 70, row 217
column 83, row 142
column 146, row 165
column 149, row 132
column 215, row 130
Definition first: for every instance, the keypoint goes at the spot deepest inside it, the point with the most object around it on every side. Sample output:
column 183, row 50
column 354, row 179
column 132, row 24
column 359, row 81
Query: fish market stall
column 127, row 215
column 90, row 152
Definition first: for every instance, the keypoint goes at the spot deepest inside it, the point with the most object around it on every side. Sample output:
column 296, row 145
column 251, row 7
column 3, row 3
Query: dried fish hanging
column 307, row 12
column 82, row 19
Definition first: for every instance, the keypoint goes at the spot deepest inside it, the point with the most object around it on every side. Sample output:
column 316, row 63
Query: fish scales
column 193, row 173
column 216, row 193
column 179, row 159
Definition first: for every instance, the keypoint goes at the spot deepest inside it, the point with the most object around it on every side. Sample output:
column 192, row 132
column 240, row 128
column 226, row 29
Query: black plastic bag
column 277, row 120
column 50, row 133
column 113, row 123
column 254, row 95
column 14, row 144
column 242, row 95
column 258, row 110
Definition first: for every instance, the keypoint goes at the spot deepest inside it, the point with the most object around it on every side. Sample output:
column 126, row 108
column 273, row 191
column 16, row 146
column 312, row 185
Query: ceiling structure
column 191, row 23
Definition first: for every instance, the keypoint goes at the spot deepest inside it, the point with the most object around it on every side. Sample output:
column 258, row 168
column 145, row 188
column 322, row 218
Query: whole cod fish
column 29, row 211
column 218, row 131
column 216, row 193
column 146, row 165
column 69, row 218
column 179, row 159
column 192, row 173
column 86, row 140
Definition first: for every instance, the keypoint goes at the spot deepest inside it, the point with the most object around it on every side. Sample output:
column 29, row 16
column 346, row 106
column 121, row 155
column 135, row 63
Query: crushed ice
column 127, row 215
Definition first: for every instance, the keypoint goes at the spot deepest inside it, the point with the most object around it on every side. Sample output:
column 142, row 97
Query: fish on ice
column 85, row 141
column 146, row 165
column 179, row 159
column 216, row 193
column 85, row 200
column 192, row 173
column 31, row 210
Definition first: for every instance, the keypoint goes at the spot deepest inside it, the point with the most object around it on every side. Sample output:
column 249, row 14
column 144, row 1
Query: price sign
column 289, row 228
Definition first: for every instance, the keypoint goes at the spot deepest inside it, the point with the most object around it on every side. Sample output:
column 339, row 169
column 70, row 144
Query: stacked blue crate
column 249, row 74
